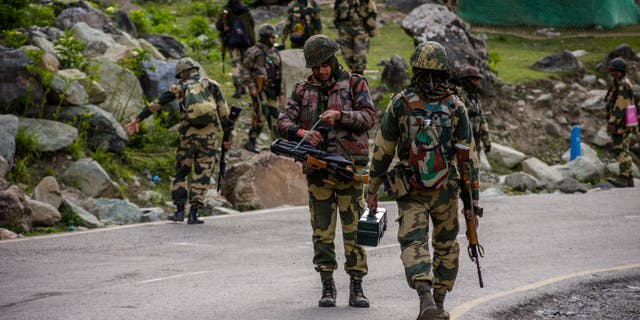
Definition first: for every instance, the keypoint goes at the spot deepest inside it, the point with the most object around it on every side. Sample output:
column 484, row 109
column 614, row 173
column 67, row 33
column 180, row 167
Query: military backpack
column 198, row 103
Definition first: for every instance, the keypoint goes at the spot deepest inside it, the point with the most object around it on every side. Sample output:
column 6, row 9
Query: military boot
column 428, row 308
column 621, row 182
column 238, row 93
column 356, row 296
column 193, row 216
column 630, row 183
column 438, row 298
column 328, row 293
column 250, row 145
column 177, row 216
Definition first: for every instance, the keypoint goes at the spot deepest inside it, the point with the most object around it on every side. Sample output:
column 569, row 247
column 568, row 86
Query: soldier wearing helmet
column 196, row 143
column 470, row 94
column 618, row 98
column 425, row 125
column 303, row 21
column 356, row 24
column 333, row 111
column 262, row 74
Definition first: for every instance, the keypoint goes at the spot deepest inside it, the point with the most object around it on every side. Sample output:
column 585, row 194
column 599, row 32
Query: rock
column 155, row 53
column 4, row 166
column 293, row 68
column 394, row 74
column 583, row 169
column 125, row 23
column 154, row 214
column 505, row 156
column 97, row 41
column 67, row 90
column 594, row 100
column 614, row 169
column 213, row 201
column 150, row 197
column 562, row 62
column 83, row 13
column 47, row 46
column 167, row 45
column 8, row 132
column 541, row 171
column 122, row 88
column 88, row 176
column 49, row 135
column 563, row 169
column 579, row 53
column 589, row 79
column 157, row 77
column 6, row 234
column 115, row 210
column 491, row 193
column 521, row 181
column 407, row 6
column 14, row 210
column 543, row 101
column 484, row 162
column 17, row 83
column 601, row 138
column 554, row 130
column 48, row 191
column 623, row 51
column 43, row 214
column 88, row 220
column 569, row 185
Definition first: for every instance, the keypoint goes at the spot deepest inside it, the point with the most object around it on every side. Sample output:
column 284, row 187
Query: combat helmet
column 318, row 49
column 471, row 72
column 267, row 30
column 430, row 55
column 185, row 64
column 618, row 64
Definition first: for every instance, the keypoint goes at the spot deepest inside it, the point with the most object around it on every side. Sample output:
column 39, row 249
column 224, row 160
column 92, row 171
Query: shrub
column 69, row 50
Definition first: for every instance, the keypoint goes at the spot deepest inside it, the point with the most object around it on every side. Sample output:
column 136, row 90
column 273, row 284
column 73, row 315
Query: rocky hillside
column 69, row 86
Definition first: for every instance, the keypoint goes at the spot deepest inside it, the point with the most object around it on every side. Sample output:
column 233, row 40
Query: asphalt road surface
column 258, row 265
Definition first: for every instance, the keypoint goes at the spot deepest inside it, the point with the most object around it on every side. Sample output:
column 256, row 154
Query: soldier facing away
column 425, row 125
column 342, row 103
column 470, row 94
column 197, row 137
column 303, row 21
column 356, row 23
column 619, row 96
column 262, row 74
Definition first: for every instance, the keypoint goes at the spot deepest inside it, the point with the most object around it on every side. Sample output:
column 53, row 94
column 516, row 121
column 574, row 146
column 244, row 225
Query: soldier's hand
column 330, row 117
column 314, row 137
column 133, row 127
column 611, row 129
column 372, row 201
column 281, row 101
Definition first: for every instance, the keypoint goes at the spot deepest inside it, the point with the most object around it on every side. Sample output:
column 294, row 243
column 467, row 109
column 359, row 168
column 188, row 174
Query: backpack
column 238, row 36
column 428, row 162
column 300, row 30
column 198, row 103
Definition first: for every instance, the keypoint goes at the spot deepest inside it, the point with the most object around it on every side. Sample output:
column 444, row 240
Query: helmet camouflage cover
column 318, row 49
column 267, row 30
column 430, row 55
column 618, row 64
column 471, row 72
column 185, row 64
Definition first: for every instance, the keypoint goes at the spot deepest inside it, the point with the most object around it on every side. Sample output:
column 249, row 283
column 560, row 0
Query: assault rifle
column 474, row 249
column 226, row 136
column 315, row 159
column 223, row 36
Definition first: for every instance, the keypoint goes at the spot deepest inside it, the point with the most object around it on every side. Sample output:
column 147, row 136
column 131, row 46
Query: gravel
column 617, row 298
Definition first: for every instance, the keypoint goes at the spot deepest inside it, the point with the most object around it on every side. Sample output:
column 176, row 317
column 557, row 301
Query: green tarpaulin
column 550, row 13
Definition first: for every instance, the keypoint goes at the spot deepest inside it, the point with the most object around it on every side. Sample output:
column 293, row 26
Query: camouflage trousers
column 348, row 200
column 414, row 211
column 354, row 45
column 620, row 147
column 268, row 113
column 235, row 54
column 195, row 157
column 480, row 132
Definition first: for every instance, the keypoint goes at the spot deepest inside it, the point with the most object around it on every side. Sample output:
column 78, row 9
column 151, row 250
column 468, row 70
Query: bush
column 69, row 50
column 20, row 13
column 14, row 38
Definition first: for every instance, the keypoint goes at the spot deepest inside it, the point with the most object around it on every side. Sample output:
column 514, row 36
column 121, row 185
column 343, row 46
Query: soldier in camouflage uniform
column 262, row 74
column 342, row 103
column 303, row 21
column 470, row 95
column 356, row 22
column 619, row 96
column 196, row 144
column 427, row 101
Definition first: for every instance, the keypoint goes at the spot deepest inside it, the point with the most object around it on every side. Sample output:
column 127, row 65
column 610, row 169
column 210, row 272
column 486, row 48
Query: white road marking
column 182, row 275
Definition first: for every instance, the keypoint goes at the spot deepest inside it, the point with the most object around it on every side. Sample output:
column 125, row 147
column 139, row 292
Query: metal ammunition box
column 371, row 227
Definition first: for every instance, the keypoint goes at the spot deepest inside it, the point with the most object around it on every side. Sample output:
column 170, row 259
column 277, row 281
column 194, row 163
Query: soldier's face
column 616, row 74
column 322, row 72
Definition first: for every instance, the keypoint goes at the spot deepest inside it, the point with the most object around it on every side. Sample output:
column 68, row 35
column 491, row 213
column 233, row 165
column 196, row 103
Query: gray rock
column 167, row 45
column 6, row 234
column 541, row 171
column 505, row 156
column 569, row 185
column 158, row 76
column 48, row 191
column 115, row 211
column 88, row 176
column 68, row 92
column 562, row 62
column 293, row 68
column 84, row 12
column 13, row 64
column 125, row 23
column 14, row 210
column 122, row 88
column 155, row 53
column 43, row 214
column 154, row 214
column 491, row 193
column 583, row 169
column 394, row 74
column 543, row 101
column 97, row 42
column 88, row 220
column 521, row 181
column 614, row 169
column 49, row 135
column 8, row 132
column 563, row 169
column 4, row 166
column 589, row 79
column 594, row 100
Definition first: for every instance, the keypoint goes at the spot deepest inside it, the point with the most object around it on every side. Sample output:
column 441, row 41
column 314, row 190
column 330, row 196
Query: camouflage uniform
column 196, row 145
column 356, row 22
column 303, row 21
column 619, row 96
column 263, row 60
column 348, row 94
column 405, row 114
column 479, row 126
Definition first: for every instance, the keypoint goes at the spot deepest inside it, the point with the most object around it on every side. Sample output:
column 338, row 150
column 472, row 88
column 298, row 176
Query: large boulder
column 115, row 211
column 97, row 42
column 541, row 171
column 561, row 62
column 505, row 156
column 14, row 210
column 87, row 175
column 48, row 191
column 293, row 69
column 394, row 74
column 88, row 220
column 48, row 135
column 43, row 214
column 8, row 132
column 167, row 45
column 583, row 169
column 123, row 91
column 521, row 181
column 83, row 12
column 17, row 85
column 265, row 181
column 158, row 76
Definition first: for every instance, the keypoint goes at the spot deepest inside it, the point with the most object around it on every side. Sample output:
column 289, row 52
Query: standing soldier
column 619, row 96
column 342, row 103
column 197, row 136
column 470, row 95
column 303, row 21
column 236, row 25
column 262, row 74
column 426, row 124
column 356, row 22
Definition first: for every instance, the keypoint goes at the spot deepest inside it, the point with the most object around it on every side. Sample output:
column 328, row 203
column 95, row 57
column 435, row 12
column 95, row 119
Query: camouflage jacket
column 355, row 15
column 476, row 117
column 619, row 96
column 394, row 135
column 176, row 92
column 257, row 61
column 305, row 12
column 350, row 95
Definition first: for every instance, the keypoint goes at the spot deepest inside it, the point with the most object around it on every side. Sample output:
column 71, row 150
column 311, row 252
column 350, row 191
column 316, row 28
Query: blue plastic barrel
column 575, row 143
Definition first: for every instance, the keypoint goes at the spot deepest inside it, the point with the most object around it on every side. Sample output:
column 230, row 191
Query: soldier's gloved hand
column 487, row 148
column 611, row 129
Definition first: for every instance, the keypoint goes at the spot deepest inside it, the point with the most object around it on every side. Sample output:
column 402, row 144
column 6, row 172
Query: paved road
column 258, row 265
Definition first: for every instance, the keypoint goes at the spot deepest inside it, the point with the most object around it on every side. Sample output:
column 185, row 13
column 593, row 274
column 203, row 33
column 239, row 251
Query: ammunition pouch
column 396, row 182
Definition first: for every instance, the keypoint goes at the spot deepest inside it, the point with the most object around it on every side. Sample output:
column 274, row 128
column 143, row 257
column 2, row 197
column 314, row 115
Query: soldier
column 196, row 142
column 342, row 103
column 470, row 95
column 356, row 22
column 427, row 124
column 236, row 25
column 303, row 21
column 262, row 74
column 619, row 96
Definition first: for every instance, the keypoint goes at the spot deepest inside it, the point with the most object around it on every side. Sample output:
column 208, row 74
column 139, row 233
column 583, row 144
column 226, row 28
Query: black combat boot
column 193, row 216
column 428, row 308
column 621, row 182
column 250, row 145
column 356, row 296
column 438, row 298
column 630, row 183
column 238, row 93
column 178, row 216
column 328, row 292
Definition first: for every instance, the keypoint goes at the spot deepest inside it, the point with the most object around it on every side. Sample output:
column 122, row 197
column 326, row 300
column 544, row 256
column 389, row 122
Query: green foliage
column 14, row 38
column 69, row 218
column 135, row 63
column 76, row 149
column 198, row 25
column 493, row 60
column 25, row 144
column 142, row 22
column 69, row 50
column 20, row 171
column 21, row 13
column 42, row 230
